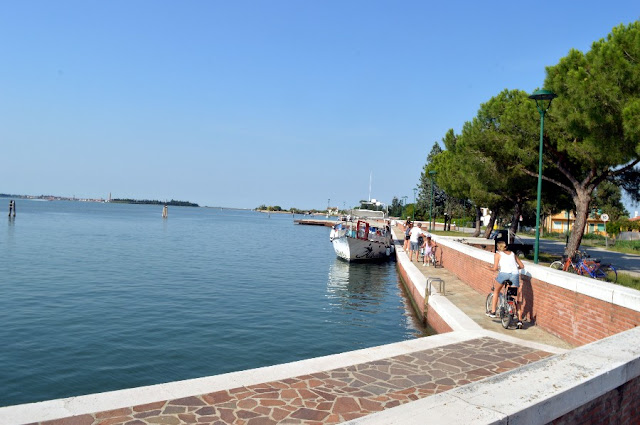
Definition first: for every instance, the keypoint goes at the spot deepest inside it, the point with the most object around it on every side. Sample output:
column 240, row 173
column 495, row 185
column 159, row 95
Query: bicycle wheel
column 608, row 273
column 487, row 306
column 505, row 316
column 572, row 269
column 556, row 265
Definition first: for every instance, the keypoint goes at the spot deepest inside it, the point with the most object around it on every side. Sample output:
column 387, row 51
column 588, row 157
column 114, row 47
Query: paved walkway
column 472, row 304
column 331, row 396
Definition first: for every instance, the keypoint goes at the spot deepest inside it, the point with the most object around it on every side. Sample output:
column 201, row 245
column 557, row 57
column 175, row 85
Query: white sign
column 605, row 217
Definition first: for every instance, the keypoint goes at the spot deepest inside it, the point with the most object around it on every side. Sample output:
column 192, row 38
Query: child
column 429, row 246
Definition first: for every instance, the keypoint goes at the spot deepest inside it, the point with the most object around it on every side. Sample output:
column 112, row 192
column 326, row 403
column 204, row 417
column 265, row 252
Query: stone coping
column 533, row 394
column 604, row 291
column 181, row 390
column 449, row 312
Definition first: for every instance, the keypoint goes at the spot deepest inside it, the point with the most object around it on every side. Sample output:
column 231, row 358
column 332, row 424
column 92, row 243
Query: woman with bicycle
column 508, row 266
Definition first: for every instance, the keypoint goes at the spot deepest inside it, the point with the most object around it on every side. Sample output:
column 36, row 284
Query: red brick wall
column 576, row 318
column 435, row 321
column 620, row 406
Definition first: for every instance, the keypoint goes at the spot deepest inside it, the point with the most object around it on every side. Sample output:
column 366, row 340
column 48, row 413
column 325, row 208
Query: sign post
column 605, row 218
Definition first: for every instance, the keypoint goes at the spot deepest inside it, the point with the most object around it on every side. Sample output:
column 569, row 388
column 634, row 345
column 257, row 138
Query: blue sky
column 242, row 103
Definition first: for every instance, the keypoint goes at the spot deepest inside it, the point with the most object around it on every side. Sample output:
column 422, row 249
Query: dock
column 316, row 222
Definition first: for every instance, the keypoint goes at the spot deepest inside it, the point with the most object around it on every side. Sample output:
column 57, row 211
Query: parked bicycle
column 507, row 308
column 592, row 268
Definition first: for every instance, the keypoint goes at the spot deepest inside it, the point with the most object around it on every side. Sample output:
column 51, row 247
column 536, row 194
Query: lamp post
column 431, row 174
column 543, row 100
column 414, row 203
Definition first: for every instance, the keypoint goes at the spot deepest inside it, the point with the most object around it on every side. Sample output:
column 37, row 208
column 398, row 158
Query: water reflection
column 357, row 286
column 365, row 292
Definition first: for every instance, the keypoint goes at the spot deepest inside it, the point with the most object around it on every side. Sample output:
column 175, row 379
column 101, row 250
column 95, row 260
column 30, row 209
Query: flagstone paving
column 332, row 396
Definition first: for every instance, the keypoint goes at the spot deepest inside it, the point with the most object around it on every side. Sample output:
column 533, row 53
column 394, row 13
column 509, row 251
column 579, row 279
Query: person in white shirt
column 508, row 266
column 414, row 244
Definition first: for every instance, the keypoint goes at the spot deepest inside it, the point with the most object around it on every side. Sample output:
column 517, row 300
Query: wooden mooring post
column 12, row 208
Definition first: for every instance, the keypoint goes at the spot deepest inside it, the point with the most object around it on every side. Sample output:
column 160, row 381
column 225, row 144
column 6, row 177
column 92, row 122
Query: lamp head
column 543, row 99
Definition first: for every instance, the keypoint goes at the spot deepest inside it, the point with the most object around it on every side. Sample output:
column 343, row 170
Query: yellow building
column 563, row 222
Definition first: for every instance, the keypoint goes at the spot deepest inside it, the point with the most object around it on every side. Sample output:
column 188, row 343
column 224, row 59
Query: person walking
column 407, row 229
column 414, row 245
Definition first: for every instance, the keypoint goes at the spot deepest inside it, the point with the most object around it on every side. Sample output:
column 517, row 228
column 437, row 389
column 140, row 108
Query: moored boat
column 366, row 237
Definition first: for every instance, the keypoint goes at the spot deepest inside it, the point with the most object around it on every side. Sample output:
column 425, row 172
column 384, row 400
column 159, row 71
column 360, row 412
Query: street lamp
column 431, row 174
column 543, row 100
column 414, row 202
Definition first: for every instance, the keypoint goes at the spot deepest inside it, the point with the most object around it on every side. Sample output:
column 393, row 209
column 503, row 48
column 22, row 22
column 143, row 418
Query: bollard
column 165, row 212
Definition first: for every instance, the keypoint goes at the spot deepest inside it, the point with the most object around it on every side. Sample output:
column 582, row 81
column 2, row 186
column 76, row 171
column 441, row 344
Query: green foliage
column 629, row 246
column 591, row 142
column 395, row 210
column 594, row 236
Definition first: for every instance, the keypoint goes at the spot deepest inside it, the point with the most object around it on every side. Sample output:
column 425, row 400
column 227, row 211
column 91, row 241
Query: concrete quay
column 474, row 372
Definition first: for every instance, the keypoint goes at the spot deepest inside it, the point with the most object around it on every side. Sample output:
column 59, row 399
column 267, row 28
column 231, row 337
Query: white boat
column 366, row 237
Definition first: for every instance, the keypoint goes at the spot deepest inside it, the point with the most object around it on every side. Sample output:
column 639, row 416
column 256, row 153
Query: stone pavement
column 332, row 396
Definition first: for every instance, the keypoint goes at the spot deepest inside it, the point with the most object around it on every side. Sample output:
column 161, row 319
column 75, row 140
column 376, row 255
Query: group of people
column 417, row 240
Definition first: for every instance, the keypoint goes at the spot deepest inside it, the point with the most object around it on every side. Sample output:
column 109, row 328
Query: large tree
column 593, row 130
column 489, row 157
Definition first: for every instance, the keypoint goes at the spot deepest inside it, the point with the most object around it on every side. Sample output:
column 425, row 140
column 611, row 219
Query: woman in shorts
column 508, row 266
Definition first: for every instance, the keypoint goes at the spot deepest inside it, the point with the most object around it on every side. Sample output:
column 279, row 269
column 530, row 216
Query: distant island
column 172, row 202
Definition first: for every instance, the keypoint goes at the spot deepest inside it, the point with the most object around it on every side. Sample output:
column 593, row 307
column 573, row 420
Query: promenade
column 467, row 375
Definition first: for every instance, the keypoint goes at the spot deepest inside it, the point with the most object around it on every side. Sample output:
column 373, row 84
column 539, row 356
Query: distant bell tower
column 109, row 196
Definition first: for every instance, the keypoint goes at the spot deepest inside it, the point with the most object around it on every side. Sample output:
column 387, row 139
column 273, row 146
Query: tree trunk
column 478, row 222
column 581, row 200
column 517, row 211
column 492, row 221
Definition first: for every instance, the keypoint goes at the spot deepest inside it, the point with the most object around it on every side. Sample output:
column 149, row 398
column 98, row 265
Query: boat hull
column 353, row 249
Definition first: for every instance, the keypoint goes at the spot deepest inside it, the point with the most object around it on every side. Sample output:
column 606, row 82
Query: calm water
column 98, row 297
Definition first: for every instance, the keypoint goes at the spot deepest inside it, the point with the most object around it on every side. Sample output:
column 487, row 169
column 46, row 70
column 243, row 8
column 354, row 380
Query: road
column 626, row 263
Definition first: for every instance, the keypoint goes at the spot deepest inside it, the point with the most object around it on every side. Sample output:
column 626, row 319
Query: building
column 562, row 222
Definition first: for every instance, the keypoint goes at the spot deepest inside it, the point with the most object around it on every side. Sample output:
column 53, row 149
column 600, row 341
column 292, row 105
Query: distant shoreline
column 173, row 202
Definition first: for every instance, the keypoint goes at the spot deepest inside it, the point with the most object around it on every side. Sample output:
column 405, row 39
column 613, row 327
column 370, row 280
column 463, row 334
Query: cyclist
column 508, row 266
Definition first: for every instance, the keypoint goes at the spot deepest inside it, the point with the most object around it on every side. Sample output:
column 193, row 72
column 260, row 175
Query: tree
column 593, row 131
column 485, row 162
column 395, row 209
column 607, row 198
column 428, row 187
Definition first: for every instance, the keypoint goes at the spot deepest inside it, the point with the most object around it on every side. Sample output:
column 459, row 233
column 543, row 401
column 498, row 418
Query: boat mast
column 370, row 175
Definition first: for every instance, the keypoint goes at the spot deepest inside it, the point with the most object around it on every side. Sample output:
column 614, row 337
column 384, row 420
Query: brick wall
column 572, row 316
column 620, row 406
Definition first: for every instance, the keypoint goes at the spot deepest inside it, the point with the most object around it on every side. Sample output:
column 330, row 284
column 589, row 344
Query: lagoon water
column 99, row 297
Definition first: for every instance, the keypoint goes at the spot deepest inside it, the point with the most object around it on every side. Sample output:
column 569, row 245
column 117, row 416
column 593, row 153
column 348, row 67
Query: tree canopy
column 591, row 140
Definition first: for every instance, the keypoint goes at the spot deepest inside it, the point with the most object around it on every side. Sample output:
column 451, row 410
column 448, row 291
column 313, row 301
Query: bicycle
column 507, row 306
column 591, row 268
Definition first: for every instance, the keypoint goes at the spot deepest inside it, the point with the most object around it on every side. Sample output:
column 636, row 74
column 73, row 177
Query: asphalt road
column 627, row 263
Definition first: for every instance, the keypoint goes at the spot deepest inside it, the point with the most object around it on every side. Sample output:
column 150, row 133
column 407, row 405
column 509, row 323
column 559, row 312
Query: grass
column 628, row 281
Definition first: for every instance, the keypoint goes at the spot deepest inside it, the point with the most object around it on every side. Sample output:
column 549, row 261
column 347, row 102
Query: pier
column 316, row 222
column 577, row 357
